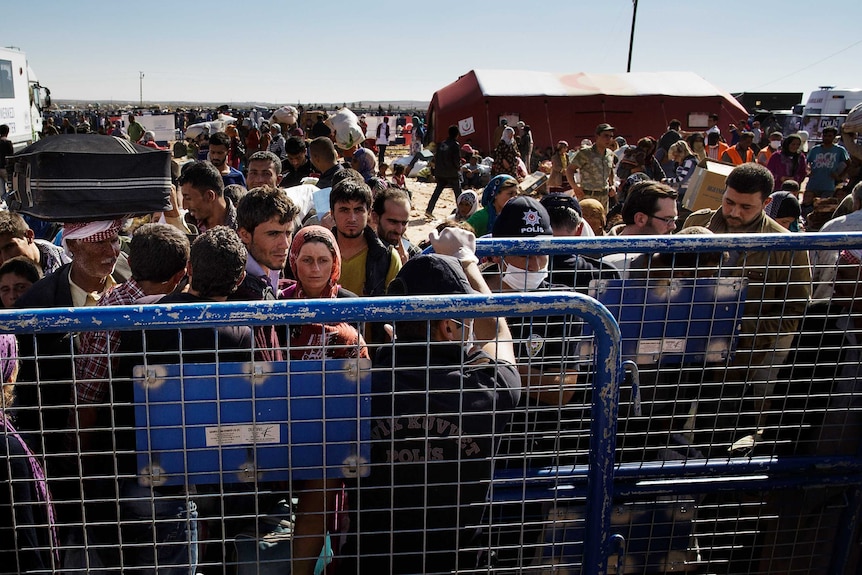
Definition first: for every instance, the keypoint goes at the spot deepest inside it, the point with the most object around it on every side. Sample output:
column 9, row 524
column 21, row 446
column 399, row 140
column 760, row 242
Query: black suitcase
column 84, row 177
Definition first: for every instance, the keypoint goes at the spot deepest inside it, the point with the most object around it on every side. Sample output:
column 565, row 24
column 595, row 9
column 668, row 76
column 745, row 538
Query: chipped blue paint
column 607, row 335
column 614, row 244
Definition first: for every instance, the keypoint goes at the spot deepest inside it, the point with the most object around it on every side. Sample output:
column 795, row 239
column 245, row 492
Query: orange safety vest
column 722, row 148
column 766, row 152
column 736, row 158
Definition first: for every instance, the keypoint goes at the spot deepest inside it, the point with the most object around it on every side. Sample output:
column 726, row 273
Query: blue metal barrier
column 730, row 474
column 605, row 328
column 487, row 246
column 603, row 479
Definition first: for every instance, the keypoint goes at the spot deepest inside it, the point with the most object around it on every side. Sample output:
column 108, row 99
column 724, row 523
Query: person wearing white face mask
column 540, row 342
column 766, row 151
column 545, row 347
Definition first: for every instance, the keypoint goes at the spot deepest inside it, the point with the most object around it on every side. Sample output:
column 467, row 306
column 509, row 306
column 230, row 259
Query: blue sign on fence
column 241, row 422
column 677, row 321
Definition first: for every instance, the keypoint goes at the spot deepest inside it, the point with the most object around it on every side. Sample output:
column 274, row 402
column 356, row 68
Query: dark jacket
column 293, row 177
column 447, row 160
column 54, row 352
column 325, row 180
column 267, row 342
column 252, row 288
column 377, row 264
column 29, row 516
column 435, row 430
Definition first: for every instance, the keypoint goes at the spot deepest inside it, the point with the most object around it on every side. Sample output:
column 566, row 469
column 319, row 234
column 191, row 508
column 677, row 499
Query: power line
column 811, row 65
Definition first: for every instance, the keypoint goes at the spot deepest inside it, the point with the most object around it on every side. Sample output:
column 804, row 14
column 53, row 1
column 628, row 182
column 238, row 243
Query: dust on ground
column 419, row 226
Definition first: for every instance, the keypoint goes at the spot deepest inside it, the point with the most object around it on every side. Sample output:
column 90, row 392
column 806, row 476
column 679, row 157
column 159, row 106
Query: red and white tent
column 570, row 106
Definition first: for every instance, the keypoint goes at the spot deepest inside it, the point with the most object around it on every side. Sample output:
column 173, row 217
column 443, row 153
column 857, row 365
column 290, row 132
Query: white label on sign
column 673, row 345
column 655, row 346
column 242, row 434
column 649, row 346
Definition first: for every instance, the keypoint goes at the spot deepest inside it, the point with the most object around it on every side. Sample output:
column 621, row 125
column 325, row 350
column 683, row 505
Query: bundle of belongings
column 85, row 177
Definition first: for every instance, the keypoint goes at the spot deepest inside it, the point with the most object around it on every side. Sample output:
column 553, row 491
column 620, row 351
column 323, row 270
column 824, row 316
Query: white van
column 827, row 107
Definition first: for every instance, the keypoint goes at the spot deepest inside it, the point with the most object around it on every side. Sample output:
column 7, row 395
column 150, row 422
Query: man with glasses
column 649, row 210
column 596, row 166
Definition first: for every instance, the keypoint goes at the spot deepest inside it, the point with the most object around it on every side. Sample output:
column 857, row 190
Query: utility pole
column 141, row 79
column 632, row 37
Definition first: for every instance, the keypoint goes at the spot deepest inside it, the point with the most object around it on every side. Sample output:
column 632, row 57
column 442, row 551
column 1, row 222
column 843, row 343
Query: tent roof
column 530, row 83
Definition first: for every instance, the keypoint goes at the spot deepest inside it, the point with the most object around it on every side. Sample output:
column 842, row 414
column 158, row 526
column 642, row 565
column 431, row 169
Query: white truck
column 827, row 107
column 22, row 98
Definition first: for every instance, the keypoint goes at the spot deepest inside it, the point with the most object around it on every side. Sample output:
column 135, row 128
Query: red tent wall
column 571, row 118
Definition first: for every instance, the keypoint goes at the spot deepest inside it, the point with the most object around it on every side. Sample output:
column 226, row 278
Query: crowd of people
column 248, row 223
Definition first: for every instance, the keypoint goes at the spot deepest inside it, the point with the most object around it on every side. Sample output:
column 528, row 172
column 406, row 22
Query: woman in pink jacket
column 789, row 163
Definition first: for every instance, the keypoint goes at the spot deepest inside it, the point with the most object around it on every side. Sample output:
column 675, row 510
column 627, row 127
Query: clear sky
column 338, row 51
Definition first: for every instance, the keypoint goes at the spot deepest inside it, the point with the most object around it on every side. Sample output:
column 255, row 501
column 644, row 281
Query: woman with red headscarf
column 315, row 261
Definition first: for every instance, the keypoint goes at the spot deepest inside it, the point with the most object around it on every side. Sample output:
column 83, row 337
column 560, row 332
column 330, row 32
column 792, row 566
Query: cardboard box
column 533, row 182
column 706, row 185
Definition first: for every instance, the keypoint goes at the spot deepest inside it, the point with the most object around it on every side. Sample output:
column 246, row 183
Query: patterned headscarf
column 851, row 257
column 469, row 197
column 784, row 205
column 90, row 231
column 303, row 236
column 491, row 190
column 8, row 356
column 366, row 163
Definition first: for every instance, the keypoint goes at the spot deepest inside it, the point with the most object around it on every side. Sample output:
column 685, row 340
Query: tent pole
column 489, row 131
column 632, row 37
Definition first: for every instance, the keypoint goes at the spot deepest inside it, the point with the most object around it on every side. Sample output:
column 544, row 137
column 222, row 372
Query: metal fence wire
column 680, row 404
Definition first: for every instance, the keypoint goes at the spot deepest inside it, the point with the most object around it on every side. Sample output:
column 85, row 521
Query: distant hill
column 387, row 106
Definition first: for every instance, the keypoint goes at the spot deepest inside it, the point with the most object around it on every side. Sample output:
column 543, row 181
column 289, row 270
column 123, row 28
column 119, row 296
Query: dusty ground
column 419, row 227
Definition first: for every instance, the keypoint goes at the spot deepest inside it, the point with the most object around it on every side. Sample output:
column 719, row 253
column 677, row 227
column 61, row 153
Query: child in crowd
column 398, row 176
column 426, row 174
column 16, row 276
column 468, row 203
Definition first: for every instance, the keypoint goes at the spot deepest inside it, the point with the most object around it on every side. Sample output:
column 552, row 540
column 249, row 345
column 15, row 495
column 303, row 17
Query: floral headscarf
column 469, row 197
column 303, row 236
column 366, row 163
column 8, row 356
column 491, row 190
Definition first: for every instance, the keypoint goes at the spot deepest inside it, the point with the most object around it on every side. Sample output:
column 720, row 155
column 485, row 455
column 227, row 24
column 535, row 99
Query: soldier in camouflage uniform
column 596, row 165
